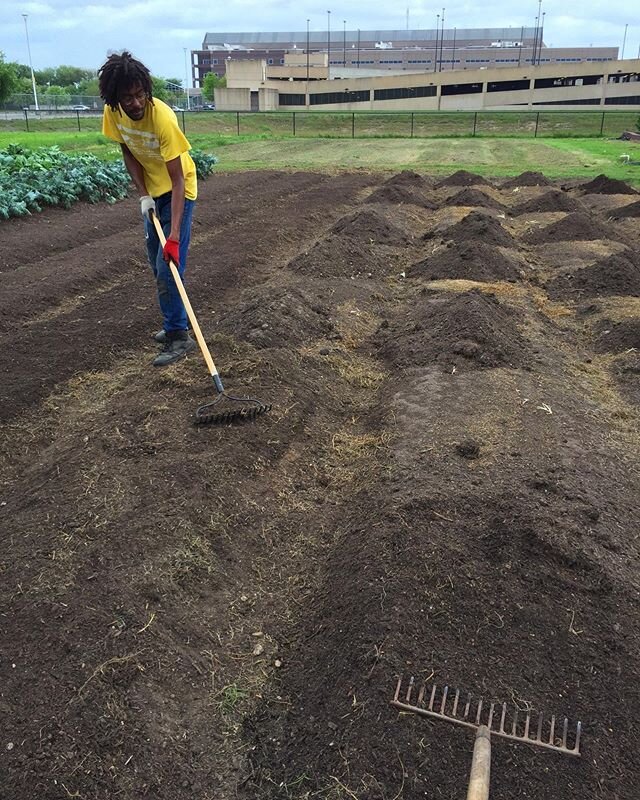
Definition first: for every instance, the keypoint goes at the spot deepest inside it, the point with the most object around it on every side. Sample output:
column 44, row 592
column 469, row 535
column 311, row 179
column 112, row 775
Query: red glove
column 171, row 250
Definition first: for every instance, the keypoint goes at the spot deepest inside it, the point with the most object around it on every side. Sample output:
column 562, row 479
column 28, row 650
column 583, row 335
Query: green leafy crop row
column 32, row 179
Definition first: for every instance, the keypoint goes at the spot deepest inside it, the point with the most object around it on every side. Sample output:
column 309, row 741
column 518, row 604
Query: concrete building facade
column 393, row 50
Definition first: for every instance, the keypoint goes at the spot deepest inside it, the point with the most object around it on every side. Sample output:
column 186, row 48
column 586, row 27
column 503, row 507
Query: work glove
column 171, row 250
column 147, row 204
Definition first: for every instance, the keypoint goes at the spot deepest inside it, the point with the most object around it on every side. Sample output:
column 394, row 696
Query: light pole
column 33, row 79
column 435, row 58
column 328, row 45
column 344, row 42
column 186, row 77
column 442, row 42
column 358, row 59
column 307, row 55
column 624, row 41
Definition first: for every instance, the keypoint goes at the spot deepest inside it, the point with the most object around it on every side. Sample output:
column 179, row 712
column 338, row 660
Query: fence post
column 353, row 125
column 293, row 113
column 412, row 124
column 183, row 130
column 78, row 116
column 475, row 122
column 602, row 124
column 535, row 133
column 238, row 122
column 26, row 118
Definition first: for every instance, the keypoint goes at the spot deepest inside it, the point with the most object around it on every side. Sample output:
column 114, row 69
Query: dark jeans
column 173, row 310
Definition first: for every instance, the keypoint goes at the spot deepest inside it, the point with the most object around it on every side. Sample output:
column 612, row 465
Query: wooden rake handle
column 190, row 312
column 480, row 766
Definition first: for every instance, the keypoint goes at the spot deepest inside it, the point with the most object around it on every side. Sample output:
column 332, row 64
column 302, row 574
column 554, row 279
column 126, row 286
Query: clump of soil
column 397, row 194
column 269, row 317
column 553, row 200
column 616, row 337
column 469, row 331
column 573, row 227
column 473, row 197
column 631, row 210
column 407, row 178
column 369, row 226
column 604, row 185
column 463, row 178
column 527, row 179
column 476, row 227
column 619, row 274
column 468, row 260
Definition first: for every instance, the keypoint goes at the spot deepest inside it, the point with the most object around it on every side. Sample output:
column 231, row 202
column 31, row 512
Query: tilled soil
column 445, row 488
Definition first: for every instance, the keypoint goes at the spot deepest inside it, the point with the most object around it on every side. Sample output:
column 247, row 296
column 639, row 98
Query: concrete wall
column 233, row 100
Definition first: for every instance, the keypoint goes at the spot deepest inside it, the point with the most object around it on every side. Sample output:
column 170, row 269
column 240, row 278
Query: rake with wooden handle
column 226, row 408
column 486, row 719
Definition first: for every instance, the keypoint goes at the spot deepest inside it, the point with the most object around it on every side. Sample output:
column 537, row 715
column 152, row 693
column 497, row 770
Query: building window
column 339, row 97
column 269, row 61
column 214, row 60
column 461, row 88
column 291, row 99
column 404, row 93
column 554, row 83
column 507, row 86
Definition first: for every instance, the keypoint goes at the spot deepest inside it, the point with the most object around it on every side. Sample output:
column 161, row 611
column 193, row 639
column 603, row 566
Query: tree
column 210, row 83
column 159, row 87
column 8, row 79
column 59, row 95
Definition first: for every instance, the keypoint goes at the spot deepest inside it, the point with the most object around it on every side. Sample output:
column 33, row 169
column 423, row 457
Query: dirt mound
column 468, row 330
column 369, row 226
column 476, row 227
column 344, row 257
column 270, row 317
column 604, row 185
column 575, row 226
column 473, row 197
column 474, row 261
column 631, row 210
column 407, row 178
column 619, row 274
column 463, row 178
column 553, row 200
column 526, row 179
column 398, row 194
column 616, row 337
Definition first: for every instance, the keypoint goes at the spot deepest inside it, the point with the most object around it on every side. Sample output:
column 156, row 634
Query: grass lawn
column 555, row 157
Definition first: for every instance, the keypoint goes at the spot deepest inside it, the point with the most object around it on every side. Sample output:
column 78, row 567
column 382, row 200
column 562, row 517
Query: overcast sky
column 83, row 32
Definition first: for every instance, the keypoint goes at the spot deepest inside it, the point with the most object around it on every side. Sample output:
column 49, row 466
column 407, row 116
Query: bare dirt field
column 446, row 487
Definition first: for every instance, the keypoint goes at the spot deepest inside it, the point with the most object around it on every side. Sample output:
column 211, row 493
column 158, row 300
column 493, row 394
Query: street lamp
column 344, row 42
column 328, row 45
column 186, row 77
column 33, row 79
column 624, row 40
column 307, row 55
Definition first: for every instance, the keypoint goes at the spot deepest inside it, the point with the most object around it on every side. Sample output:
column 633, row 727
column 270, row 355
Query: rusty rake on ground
column 487, row 719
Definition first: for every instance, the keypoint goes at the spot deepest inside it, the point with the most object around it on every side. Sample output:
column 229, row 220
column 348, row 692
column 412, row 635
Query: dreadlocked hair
column 119, row 73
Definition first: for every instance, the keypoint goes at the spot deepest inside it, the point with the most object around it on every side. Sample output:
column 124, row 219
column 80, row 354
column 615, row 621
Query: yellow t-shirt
column 154, row 140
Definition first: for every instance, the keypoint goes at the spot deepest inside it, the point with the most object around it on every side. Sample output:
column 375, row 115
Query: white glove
column 147, row 204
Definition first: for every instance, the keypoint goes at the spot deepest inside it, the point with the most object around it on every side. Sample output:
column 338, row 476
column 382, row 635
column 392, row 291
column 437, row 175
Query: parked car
column 209, row 106
column 80, row 108
column 176, row 108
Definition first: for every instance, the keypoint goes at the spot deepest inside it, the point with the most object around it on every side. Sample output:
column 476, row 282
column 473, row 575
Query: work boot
column 177, row 345
column 160, row 336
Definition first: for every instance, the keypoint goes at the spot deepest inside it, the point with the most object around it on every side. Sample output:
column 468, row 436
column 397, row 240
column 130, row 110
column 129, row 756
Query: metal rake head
column 227, row 409
column 447, row 704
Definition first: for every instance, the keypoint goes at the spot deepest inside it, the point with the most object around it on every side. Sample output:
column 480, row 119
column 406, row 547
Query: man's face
column 133, row 101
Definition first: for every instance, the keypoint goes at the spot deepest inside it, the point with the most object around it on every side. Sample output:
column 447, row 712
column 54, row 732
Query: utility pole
column 33, row 79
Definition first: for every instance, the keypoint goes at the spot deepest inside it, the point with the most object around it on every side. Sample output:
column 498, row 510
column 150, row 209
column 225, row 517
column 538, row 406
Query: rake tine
column 396, row 696
column 431, row 699
column 455, row 703
column 444, row 700
column 552, row 730
column 526, row 725
column 467, row 707
column 409, row 689
column 423, row 689
column 502, row 717
column 539, row 736
column 490, row 720
column 479, row 712
column 565, row 728
column 514, row 727
column 578, row 732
